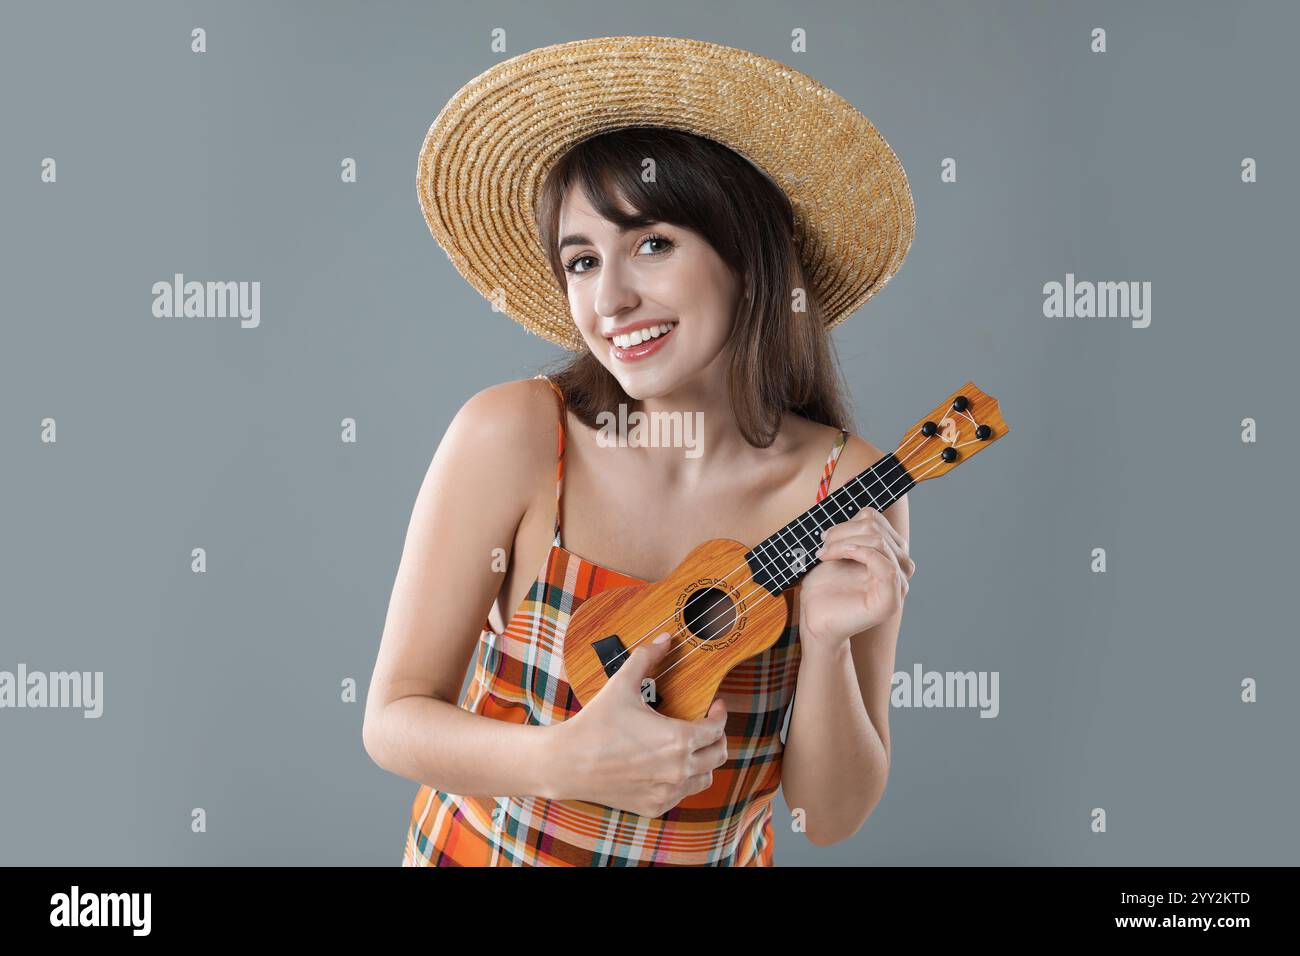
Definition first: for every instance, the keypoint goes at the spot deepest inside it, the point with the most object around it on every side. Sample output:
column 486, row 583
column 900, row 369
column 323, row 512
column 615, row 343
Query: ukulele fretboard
column 782, row 558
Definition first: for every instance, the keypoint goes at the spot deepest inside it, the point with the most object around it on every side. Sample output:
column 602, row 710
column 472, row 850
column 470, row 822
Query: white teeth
column 642, row 335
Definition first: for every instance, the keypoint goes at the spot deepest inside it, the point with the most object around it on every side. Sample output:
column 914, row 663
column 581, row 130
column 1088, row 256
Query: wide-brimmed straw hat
column 487, row 153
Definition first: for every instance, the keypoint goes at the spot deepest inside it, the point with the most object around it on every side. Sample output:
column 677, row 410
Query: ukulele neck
column 781, row 559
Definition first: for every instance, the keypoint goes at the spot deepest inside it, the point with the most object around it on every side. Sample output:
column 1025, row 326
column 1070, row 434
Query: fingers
column 709, row 758
column 893, row 532
column 881, row 564
column 701, row 781
column 868, row 518
column 871, row 530
column 846, row 547
column 642, row 660
column 713, row 725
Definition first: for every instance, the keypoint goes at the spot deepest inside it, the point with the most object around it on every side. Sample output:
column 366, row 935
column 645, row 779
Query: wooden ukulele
column 725, row 602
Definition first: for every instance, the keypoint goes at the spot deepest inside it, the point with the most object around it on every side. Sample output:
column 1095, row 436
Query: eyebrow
column 578, row 239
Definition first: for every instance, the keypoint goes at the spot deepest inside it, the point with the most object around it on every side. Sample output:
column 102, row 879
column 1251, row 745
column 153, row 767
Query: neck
column 781, row 559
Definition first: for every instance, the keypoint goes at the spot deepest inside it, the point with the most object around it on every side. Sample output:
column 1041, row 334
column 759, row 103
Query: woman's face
column 644, row 279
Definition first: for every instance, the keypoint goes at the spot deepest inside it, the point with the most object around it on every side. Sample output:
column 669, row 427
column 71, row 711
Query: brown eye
column 667, row 243
column 569, row 266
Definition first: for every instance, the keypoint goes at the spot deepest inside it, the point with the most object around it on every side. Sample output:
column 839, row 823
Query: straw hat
column 486, row 155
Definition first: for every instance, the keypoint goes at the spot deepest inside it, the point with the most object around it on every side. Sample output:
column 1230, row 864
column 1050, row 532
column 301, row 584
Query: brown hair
column 778, row 359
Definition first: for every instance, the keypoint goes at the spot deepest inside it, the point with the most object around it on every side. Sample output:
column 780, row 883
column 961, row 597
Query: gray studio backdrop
column 1120, row 693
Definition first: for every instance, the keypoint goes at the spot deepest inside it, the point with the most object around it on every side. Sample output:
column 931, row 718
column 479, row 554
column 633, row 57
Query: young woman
column 679, row 289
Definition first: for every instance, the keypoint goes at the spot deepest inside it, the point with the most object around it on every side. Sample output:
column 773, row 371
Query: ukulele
column 725, row 603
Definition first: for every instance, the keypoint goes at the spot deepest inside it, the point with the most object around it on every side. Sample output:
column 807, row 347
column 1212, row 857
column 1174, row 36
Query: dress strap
column 824, row 486
column 559, row 456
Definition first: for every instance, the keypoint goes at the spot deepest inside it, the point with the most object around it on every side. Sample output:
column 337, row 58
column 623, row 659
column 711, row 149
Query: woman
column 686, row 290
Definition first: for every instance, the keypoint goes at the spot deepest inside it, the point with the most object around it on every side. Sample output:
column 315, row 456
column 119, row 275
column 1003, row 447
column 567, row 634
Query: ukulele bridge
column 611, row 653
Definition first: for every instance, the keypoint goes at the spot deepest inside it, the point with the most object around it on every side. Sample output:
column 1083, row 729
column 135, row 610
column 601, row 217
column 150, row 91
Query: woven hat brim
column 484, row 159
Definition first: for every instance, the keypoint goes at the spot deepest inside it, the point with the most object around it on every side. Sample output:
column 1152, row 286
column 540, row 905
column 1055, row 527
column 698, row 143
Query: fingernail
column 661, row 638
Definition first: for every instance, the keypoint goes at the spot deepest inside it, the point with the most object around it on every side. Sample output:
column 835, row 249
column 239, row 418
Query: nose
column 615, row 291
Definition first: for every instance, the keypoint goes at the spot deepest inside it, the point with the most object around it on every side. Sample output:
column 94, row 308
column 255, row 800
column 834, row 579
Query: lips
column 635, row 353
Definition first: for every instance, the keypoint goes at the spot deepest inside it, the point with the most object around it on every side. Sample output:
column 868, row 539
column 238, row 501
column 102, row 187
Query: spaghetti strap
column 824, row 486
column 559, row 457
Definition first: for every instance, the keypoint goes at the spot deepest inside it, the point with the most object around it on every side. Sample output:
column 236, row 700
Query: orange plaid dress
column 518, row 675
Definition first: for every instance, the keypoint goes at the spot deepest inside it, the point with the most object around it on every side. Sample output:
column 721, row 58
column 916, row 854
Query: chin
column 637, row 388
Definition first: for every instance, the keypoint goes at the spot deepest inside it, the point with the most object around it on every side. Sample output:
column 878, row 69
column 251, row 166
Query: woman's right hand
column 619, row 752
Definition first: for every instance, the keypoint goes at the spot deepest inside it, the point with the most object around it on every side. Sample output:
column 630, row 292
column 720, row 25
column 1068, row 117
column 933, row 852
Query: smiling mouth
column 641, row 343
column 632, row 339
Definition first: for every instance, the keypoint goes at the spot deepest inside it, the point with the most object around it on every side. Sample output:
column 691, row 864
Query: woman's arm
column 837, row 753
column 496, row 460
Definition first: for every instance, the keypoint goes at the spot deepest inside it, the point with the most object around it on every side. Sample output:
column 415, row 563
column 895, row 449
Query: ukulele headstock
column 963, row 425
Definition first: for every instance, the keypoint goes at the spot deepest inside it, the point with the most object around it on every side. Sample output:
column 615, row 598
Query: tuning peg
column 961, row 403
column 983, row 432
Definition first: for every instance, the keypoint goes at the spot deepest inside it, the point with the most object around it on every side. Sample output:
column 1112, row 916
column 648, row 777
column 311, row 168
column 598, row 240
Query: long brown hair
column 778, row 359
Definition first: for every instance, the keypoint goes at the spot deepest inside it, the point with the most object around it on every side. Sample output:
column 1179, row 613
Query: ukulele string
column 766, row 594
column 821, row 504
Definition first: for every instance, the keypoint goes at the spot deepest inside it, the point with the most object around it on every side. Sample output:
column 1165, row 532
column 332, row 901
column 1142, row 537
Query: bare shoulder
column 521, row 409
column 512, row 420
column 507, row 433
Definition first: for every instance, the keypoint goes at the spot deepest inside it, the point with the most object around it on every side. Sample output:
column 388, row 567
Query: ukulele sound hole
column 709, row 614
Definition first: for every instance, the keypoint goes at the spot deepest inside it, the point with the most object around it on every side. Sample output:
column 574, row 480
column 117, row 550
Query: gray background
column 222, row 690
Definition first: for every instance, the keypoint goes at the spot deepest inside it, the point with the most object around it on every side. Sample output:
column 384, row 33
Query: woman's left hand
column 861, row 580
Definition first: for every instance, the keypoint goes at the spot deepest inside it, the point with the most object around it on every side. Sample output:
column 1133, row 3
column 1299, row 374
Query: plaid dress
column 518, row 675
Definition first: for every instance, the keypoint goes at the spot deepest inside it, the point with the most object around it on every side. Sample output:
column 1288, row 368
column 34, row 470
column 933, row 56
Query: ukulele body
column 714, row 612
